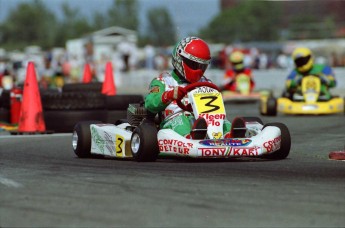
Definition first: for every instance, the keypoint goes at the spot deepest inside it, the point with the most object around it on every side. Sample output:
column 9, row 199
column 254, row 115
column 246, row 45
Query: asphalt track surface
column 43, row 183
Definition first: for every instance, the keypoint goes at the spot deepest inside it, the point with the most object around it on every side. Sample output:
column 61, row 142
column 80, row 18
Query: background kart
column 309, row 102
column 139, row 136
column 243, row 93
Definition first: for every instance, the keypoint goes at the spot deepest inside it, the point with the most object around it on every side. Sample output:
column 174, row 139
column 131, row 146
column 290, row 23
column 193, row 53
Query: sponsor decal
column 213, row 119
column 250, row 151
column 226, row 142
column 214, row 152
column 175, row 146
column 155, row 89
column 272, row 145
column 108, row 142
column 212, row 116
column 217, row 135
column 206, row 90
column 175, row 122
column 229, row 151
column 97, row 139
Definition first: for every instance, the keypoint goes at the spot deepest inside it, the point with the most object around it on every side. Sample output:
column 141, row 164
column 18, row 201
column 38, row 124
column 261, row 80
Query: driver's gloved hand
column 177, row 93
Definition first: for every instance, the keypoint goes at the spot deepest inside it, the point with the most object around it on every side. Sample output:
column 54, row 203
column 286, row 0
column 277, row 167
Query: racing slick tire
column 81, row 139
column 271, row 107
column 285, row 145
column 144, row 145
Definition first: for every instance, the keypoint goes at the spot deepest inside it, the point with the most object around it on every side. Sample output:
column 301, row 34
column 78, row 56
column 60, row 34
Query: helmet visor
column 194, row 65
column 301, row 61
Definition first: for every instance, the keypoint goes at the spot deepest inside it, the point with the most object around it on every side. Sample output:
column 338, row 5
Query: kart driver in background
column 190, row 59
column 236, row 59
column 304, row 63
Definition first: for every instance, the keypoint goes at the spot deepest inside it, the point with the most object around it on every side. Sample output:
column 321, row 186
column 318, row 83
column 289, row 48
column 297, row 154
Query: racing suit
column 173, row 116
column 293, row 82
column 230, row 78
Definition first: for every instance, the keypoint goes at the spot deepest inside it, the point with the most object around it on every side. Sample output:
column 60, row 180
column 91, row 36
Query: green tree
column 247, row 21
column 307, row 26
column 29, row 24
column 73, row 25
column 99, row 21
column 124, row 13
column 161, row 29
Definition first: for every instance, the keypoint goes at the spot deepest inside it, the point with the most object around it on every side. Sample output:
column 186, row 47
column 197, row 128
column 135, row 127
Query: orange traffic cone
column 87, row 78
column 31, row 115
column 108, row 87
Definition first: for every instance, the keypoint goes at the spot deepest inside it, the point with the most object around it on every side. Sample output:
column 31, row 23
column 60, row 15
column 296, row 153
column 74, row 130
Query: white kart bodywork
column 111, row 140
column 114, row 141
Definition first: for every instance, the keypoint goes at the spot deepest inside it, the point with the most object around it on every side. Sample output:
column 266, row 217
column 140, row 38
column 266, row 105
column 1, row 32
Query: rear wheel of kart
column 144, row 145
column 81, row 139
column 271, row 106
column 253, row 119
column 285, row 145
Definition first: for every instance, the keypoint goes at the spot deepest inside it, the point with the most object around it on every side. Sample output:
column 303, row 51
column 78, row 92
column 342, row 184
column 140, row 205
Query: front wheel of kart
column 81, row 139
column 144, row 145
column 285, row 143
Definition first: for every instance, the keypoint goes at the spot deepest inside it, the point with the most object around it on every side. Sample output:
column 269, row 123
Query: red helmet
column 191, row 57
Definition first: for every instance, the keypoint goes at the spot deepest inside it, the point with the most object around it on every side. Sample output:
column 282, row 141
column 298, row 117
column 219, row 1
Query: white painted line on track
column 9, row 183
column 33, row 136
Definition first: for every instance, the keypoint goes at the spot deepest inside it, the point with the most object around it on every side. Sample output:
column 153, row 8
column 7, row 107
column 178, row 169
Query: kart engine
column 136, row 113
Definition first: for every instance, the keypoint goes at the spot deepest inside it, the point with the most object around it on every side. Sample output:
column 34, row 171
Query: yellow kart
column 308, row 102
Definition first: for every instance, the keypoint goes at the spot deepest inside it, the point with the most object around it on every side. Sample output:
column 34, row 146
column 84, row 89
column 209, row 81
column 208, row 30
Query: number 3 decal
column 212, row 103
column 209, row 104
column 118, row 145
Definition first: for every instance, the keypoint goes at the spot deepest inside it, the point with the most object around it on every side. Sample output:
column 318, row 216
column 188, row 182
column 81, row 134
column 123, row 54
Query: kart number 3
column 118, row 145
column 211, row 103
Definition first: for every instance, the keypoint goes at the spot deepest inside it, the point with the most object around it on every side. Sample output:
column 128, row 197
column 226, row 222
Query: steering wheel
column 192, row 86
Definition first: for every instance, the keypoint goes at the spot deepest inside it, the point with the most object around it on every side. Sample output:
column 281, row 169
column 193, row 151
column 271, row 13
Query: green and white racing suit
column 173, row 116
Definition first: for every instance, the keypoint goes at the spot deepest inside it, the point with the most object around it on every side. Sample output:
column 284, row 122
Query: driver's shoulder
column 320, row 68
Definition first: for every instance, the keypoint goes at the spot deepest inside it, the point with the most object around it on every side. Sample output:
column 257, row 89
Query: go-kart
column 242, row 92
column 308, row 101
column 140, row 137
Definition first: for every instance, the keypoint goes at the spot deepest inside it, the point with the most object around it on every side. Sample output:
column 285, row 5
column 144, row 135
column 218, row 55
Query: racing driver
column 237, row 63
column 304, row 63
column 190, row 59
